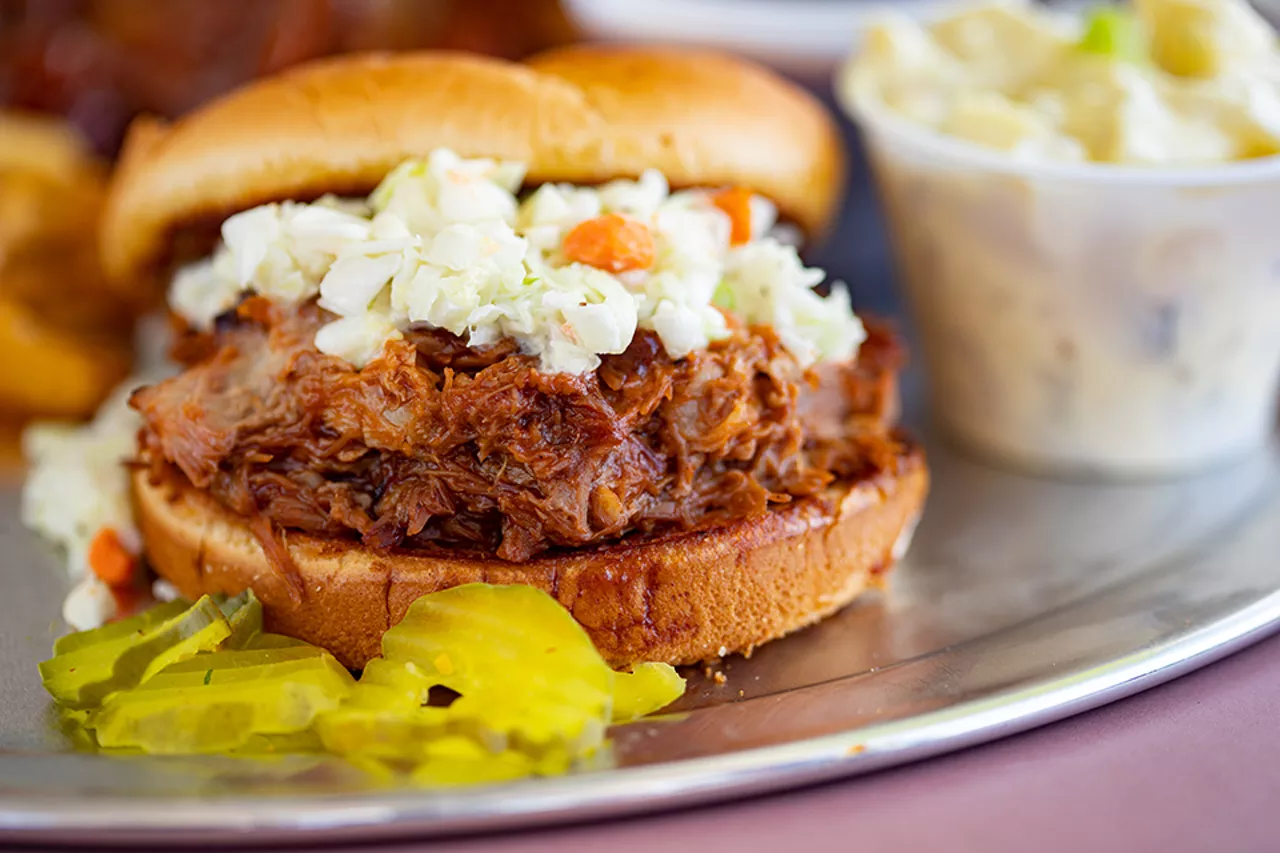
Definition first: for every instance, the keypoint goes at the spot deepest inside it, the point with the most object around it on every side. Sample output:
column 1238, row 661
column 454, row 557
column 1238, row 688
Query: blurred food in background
column 101, row 62
column 64, row 339
column 805, row 38
column 1117, row 317
column 1166, row 82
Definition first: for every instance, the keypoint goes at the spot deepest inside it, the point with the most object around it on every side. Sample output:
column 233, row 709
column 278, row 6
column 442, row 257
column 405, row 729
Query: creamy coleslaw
column 77, row 485
column 446, row 242
column 1163, row 82
column 77, row 481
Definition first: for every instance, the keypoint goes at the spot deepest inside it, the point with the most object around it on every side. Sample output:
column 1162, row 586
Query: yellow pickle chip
column 647, row 688
column 528, row 676
column 244, row 618
column 139, row 624
column 390, row 732
column 294, row 743
column 218, row 702
column 90, row 671
column 454, row 761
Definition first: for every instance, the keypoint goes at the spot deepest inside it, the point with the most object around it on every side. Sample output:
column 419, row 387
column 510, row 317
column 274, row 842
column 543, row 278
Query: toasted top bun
column 580, row 115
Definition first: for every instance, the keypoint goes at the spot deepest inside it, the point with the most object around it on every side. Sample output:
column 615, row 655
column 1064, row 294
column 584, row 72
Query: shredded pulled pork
column 435, row 443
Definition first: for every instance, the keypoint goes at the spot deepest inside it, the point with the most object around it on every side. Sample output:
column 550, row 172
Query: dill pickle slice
column 375, row 723
column 515, row 640
column 377, row 771
column 78, row 728
column 139, row 624
column 244, row 616
column 237, row 666
column 532, row 727
column 84, row 677
column 479, row 636
column 74, row 724
column 647, row 688
column 411, row 683
column 219, row 702
column 266, row 640
column 530, row 684
column 504, row 767
column 529, row 677
column 455, row 761
column 293, row 743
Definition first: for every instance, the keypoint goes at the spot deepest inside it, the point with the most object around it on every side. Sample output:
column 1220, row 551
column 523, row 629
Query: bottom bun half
column 680, row 598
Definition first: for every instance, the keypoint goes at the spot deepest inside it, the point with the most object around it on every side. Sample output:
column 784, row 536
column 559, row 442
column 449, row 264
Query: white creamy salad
column 1083, row 208
column 77, row 484
column 1159, row 82
column 445, row 242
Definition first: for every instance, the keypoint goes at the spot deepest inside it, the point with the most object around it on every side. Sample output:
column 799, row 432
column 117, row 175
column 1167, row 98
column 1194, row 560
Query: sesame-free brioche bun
column 680, row 598
column 579, row 115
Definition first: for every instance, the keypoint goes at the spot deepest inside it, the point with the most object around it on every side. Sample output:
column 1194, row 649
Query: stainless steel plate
column 1022, row 601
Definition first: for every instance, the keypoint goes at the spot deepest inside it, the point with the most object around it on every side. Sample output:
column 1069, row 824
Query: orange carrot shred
column 612, row 243
column 736, row 203
column 109, row 559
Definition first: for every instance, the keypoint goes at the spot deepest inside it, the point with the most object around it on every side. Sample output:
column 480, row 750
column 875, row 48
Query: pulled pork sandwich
column 564, row 341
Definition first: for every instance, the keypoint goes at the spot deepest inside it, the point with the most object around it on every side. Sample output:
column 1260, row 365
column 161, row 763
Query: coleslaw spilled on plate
column 76, row 493
column 77, row 487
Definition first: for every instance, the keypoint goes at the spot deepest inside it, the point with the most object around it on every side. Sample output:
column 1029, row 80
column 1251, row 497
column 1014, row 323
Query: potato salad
column 1157, row 82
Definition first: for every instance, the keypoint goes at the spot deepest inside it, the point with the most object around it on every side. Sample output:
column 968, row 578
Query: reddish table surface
column 1193, row 765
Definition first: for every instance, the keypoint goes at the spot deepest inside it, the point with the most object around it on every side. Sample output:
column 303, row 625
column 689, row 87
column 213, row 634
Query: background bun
column 64, row 336
column 38, row 145
column 581, row 114
column 679, row 598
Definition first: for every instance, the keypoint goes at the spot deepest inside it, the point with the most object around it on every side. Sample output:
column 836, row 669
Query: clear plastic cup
column 1086, row 318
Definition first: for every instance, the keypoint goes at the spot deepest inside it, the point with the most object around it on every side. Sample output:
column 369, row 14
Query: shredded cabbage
column 444, row 242
column 78, row 484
